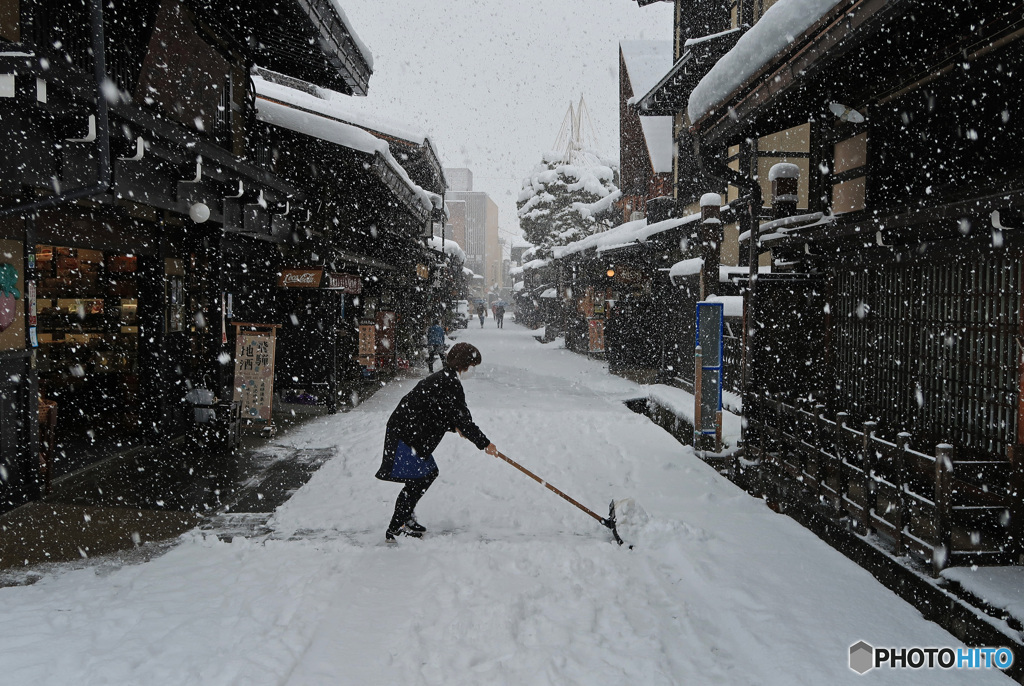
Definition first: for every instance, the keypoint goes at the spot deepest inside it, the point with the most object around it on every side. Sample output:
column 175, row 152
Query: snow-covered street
column 512, row 585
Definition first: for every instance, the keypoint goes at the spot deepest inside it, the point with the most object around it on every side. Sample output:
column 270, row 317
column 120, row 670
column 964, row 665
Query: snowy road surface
column 513, row 586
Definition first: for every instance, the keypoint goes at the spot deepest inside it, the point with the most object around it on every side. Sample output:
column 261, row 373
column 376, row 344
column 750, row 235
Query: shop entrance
column 88, row 361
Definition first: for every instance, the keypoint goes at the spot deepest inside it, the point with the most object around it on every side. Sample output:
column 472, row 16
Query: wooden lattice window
column 932, row 349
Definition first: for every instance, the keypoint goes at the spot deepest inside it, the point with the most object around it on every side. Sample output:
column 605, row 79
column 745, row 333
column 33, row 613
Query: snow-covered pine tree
column 560, row 202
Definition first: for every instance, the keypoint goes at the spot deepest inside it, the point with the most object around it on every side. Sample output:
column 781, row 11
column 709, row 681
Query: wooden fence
column 947, row 509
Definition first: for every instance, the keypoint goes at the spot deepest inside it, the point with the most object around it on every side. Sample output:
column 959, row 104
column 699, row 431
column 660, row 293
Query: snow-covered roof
column 363, row 48
column 536, row 264
column 646, row 62
column 284, row 111
column 361, row 112
column 450, row 247
column 780, row 25
column 623, row 235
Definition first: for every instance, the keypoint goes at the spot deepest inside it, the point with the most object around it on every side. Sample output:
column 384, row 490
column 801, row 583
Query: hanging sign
column 368, row 345
column 349, row 283
column 596, row 330
column 254, row 370
column 300, row 278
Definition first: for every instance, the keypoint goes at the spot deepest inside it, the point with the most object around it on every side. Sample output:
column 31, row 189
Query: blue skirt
column 401, row 463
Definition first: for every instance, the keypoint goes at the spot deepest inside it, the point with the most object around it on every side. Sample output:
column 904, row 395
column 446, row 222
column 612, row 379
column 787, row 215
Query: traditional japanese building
column 892, row 310
column 143, row 212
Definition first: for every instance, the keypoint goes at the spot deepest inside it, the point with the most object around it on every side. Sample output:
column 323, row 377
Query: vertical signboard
column 708, row 373
column 596, row 329
column 254, row 371
column 368, row 345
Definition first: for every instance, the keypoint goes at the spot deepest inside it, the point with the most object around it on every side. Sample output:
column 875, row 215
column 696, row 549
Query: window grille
column 932, row 349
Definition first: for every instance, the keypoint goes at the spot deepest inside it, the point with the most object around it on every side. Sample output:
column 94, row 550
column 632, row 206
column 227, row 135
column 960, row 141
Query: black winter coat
column 435, row 406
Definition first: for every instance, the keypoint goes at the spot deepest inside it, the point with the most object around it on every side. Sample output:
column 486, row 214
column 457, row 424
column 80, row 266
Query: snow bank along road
column 513, row 586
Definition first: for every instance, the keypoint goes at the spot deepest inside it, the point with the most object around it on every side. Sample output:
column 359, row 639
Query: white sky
column 490, row 80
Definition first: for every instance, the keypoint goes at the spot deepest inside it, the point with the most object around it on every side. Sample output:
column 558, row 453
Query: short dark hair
column 462, row 356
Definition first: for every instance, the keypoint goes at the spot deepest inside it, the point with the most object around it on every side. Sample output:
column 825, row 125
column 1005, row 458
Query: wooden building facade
column 884, row 375
column 144, row 209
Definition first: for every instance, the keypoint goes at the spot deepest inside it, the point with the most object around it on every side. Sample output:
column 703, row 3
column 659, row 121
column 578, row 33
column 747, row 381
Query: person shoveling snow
column 436, row 405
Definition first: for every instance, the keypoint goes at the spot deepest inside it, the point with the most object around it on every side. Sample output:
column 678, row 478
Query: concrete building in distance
column 479, row 230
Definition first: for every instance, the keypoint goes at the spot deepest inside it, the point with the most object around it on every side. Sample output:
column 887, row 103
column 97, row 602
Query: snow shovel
column 608, row 521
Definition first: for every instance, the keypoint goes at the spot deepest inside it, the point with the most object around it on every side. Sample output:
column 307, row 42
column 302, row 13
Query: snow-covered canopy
column 450, row 248
column 780, row 25
column 284, row 111
column 518, row 286
column 686, row 267
column 536, row 264
column 646, row 62
column 357, row 112
column 549, row 293
column 623, row 235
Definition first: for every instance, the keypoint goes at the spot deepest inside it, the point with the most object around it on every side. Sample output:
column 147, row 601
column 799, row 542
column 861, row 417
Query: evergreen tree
column 560, row 203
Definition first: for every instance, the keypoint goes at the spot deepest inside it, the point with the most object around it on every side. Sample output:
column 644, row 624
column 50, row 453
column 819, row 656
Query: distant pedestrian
column 436, row 405
column 481, row 312
column 435, row 345
column 499, row 315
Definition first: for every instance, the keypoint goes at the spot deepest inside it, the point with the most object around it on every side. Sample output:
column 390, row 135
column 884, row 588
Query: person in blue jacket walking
column 435, row 345
column 435, row 406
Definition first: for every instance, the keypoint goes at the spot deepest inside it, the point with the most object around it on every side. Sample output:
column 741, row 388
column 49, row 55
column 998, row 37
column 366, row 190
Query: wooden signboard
column 596, row 329
column 368, row 345
column 254, row 369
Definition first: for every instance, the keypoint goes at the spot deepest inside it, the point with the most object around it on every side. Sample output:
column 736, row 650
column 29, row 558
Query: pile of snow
column 780, row 25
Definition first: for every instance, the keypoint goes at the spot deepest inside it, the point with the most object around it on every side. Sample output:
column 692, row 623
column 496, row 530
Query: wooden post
column 840, row 451
column 943, row 507
column 1016, row 489
column 870, row 487
column 822, row 459
column 785, row 178
column 902, row 446
column 710, row 240
column 698, row 364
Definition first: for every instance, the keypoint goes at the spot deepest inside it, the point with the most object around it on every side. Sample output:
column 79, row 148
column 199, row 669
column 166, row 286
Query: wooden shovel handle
column 551, row 488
